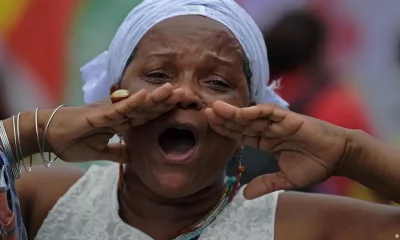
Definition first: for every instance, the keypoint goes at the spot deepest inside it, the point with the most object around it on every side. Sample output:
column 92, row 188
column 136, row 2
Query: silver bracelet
column 41, row 151
column 37, row 134
column 17, row 156
column 47, row 163
column 19, row 148
column 8, row 152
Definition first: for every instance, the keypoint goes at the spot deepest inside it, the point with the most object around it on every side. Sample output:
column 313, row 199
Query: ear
column 115, row 87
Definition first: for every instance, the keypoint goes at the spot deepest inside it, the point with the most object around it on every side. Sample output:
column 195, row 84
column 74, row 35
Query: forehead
column 191, row 33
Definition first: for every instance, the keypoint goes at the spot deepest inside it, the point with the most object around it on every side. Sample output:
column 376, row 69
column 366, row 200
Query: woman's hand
column 308, row 150
column 83, row 133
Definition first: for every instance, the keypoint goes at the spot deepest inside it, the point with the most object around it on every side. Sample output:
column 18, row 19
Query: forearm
column 374, row 164
column 27, row 133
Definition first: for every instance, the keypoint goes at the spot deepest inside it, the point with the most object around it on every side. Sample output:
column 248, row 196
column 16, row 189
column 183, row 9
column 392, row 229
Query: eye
column 157, row 77
column 219, row 84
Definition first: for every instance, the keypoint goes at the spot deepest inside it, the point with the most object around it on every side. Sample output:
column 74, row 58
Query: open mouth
column 178, row 142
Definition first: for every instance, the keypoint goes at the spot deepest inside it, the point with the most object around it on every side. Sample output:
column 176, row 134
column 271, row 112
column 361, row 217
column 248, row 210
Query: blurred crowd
column 339, row 66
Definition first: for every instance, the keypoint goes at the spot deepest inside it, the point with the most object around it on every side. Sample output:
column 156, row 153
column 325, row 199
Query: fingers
column 157, row 102
column 161, row 94
column 266, row 121
column 269, row 112
column 238, row 136
column 266, row 184
column 108, row 115
column 162, row 100
column 124, row 107
column 137, row 108
column 231, row 123
column 236, row 129
column 231, row 117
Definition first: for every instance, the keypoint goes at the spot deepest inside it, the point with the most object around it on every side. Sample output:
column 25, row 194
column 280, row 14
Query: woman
column 193, row 73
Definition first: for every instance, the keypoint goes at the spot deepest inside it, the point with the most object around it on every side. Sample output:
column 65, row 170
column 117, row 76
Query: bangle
column 47, row 163
column 18, row 148
column 37, row 134
column 17, row 156
column 8, row 151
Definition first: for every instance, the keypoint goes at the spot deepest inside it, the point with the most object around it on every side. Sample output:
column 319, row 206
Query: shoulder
column 321, row 216
column 87, row 207
column 40, row 190
column 73, row 184
column 298, row 211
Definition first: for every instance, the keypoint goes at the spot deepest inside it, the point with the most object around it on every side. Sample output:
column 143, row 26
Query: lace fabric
column 89, row 210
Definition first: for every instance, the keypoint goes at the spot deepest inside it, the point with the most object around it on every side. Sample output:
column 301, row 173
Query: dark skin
column 203, row 71
column 196, row 84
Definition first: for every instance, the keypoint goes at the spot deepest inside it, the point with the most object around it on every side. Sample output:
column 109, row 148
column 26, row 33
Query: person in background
column 296, row 50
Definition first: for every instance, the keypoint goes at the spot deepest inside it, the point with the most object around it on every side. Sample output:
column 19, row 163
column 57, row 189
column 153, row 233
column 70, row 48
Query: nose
column 191, row 101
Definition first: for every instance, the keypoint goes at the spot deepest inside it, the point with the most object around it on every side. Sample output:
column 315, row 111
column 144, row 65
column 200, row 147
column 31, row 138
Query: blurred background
column 339, row 60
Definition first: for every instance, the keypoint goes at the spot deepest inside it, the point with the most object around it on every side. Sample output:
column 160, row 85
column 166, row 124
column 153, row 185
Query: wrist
column 31, row 134
column 353, row 153
column 43, row 118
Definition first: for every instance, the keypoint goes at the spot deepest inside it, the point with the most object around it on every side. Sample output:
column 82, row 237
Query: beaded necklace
column 195, row 230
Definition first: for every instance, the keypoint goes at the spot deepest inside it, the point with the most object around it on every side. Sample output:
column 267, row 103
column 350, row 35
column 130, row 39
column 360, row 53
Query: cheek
column 238, row 99
column 138, row 84
column 219, row 149
column 138, row 143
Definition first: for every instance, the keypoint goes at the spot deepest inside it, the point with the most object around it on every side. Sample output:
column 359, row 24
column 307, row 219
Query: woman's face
column 178, row 153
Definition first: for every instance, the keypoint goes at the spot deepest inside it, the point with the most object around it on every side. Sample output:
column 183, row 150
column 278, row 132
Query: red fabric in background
column 39, row 40
column 336, row 103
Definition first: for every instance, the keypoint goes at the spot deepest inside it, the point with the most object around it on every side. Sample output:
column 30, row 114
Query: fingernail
column 119, row 95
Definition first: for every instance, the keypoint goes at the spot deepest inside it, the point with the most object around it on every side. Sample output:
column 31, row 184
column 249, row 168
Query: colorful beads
column 232, row 186
column 240, row 169
column 231, row 180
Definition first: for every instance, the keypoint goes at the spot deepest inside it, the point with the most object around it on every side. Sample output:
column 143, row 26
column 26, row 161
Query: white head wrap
column 106, row 69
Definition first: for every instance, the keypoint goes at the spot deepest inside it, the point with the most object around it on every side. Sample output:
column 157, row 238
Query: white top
column 89, row 211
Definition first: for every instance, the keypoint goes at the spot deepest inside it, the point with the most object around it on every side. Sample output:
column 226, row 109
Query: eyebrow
column 222, row 60
column 207, row 55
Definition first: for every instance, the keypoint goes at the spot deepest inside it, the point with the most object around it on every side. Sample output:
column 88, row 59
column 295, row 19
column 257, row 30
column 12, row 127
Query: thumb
column 267, row 183
column 115, row 152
